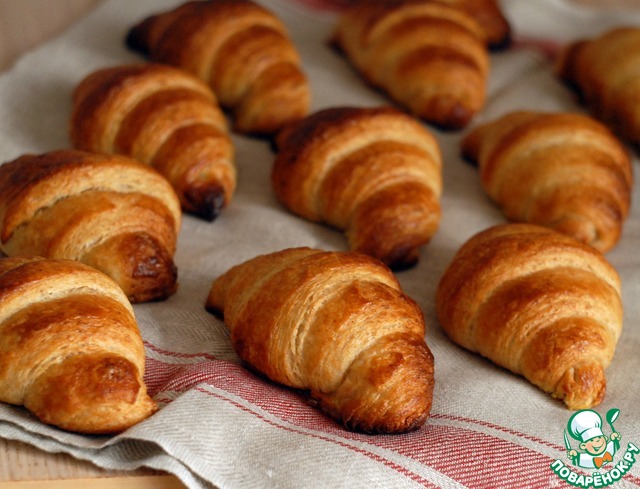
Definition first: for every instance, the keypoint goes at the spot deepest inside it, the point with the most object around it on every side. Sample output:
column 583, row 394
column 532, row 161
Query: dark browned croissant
column 164, row 117
column 373, row 172
column 108, row 211
column 428, row 56
column 70, row 349
column 538, row 303
column 605, row 72
column 561, row 170
column 238, row 47
column 337, row 325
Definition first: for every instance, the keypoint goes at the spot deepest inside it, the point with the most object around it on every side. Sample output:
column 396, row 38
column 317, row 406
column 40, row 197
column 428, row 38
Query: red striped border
column 473, row 458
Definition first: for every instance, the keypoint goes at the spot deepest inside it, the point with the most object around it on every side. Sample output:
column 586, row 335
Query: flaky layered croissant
column 561, row 170
column 373, row 172
column 428, row 56
column 605, row 72
column 164, row 117
column 335, row 324
column 108, row 211
column 70, row 348
column 538, row 303
column 242, row 50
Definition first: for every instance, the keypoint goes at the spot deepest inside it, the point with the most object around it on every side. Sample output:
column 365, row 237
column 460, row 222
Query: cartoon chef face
column 595, row 446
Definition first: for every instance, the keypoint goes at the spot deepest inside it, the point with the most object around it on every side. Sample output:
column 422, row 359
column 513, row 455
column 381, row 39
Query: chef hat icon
column 585, row 424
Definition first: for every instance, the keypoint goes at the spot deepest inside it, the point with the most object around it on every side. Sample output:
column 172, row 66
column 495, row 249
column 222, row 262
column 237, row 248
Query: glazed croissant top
column 334, row 324
column 373, row 172
column 164, row 117
column 604, row 71
column 429, row 56
column 108, row 211
column 538, row 303
column 242, row 50
column 70, row 348
column 561, row 170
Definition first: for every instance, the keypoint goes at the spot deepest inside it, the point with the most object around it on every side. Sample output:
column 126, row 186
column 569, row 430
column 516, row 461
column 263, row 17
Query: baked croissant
column 70, row 348
column 238, row 47
column 164, row 117
column 373, row 172
column 429, row 57
column 108, row 211
column 335, row 324
column 565, row 171
column 488, row 13
column 538, row 303
column 605, row 73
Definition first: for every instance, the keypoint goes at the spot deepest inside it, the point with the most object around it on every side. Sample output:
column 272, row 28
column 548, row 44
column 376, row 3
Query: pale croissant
column 372, row 172
column 108, row 211
column 164, row 117
column 241, row 49
column 70, row 348
column 538, row 303
column 335, row 324
column 605, row 72
column 561, row 170
column 429, row 57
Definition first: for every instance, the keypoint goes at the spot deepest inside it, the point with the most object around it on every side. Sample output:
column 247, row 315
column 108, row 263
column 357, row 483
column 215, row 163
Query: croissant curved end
column 582, row 387
column 206, row 201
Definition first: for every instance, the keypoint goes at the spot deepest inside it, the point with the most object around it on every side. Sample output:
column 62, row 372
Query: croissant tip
column 136, row 38
column 206, row 202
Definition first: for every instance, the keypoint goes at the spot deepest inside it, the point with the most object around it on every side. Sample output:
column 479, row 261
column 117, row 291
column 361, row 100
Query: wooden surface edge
column 139, row 482
column 20, row 461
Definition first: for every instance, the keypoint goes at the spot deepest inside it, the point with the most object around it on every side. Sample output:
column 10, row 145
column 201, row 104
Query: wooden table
column 23, row 25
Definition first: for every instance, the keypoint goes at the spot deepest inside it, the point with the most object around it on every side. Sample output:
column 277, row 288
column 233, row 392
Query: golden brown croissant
column 489, row 15
column 561, row 170
column 605, row 72
column 108, row 211
column 164, row 117
column 238, row 47
column 428, row 56
column 335, row 324
column 538, row 303
column 70, row 348
column 373, row 172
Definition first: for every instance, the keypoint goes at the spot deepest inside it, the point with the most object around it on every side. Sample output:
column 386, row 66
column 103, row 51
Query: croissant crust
column 561, row 170
column 373, row 172
column 73, row 355
column 164, row 117
column 242, row 50
column 336, row 325
column 429, row 57
column 107, row 211
column 538, row 303
column 604, row 73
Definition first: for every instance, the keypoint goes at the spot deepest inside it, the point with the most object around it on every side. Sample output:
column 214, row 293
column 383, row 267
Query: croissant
column 70, row 348
column 334, row 324
column 108, row 211
column 429, row 57
column 604, row 72
column 488, row 13
column 373, row 172
column 538, row 303
column 164, row 117
column 238, row 47
column 565, row 171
